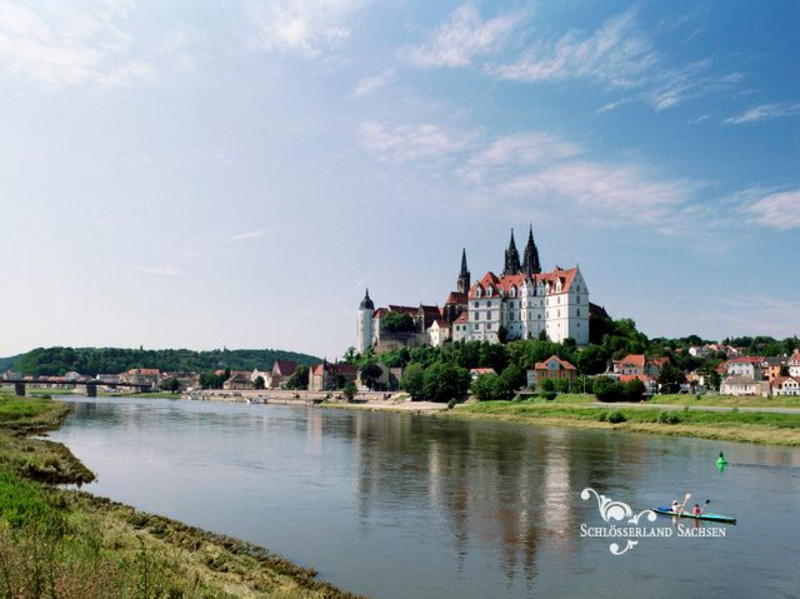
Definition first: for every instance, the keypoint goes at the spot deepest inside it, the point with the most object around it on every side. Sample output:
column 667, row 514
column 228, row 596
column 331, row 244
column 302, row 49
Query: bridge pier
column 91, row 390
column 19, row 389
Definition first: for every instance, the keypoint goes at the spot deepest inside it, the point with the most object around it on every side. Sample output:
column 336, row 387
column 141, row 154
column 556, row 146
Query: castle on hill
column 522, row 303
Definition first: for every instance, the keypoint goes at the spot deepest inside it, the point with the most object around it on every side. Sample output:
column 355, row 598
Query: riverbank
column 68, row 543
column 765, row 428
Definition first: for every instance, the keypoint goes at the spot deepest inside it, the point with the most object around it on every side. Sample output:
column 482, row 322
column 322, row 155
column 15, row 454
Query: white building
column 786, row 385
column 746, row 366
column 743, row 385
column 794, row 364
column 524, row 302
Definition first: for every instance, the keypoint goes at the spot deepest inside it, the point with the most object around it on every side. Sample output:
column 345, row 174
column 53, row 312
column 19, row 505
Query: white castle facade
column 522, row 303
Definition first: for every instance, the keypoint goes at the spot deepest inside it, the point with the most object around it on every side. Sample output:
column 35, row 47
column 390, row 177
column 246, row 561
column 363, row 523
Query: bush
column 608, row 390
column 451, row 404
column 491, row 387
column 548, row 395
column 603, row 416
column 616, row 417
column 668, row 417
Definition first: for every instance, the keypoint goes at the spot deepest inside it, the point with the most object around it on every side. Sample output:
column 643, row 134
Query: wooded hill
column 111, row 360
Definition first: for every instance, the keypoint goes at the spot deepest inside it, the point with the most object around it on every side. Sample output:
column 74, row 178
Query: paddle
column 683, row 505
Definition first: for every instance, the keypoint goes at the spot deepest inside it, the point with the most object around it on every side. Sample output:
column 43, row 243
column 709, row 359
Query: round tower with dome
column 365, row 312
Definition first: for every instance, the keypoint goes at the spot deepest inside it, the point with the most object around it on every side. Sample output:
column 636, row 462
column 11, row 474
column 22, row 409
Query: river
column 405, row 506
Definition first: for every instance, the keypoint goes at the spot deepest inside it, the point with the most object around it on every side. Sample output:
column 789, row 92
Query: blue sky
column 209, row 174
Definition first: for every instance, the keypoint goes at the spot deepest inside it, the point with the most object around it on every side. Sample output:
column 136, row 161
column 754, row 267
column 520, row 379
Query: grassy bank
column 751, row 427
column 70, row 544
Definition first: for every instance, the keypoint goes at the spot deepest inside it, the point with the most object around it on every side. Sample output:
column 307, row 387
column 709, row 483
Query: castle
column 521, row 303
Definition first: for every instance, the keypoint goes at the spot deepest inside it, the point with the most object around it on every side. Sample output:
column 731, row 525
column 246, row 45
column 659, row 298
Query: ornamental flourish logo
column 624, row 524
column 619, row 512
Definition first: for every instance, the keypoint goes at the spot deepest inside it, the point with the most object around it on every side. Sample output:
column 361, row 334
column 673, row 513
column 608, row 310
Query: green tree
column 592, row 360
column 633, row 390
column 413, row 380
column 259, row 383
column 398, row 322
column 370, row 373
column 299, row 378
column 349, row 391
column 670, row 378
column 351, row 355
column 171, row 384
column 443, row 382
column 514, row 377
column 547, row 385
column 502, row 335
column 607, row 389
column 490, row 387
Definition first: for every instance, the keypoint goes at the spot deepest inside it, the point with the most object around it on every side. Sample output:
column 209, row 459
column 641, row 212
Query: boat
column 705, row 516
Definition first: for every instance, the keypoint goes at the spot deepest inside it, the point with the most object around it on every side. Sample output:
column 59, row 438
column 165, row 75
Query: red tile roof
column 624, row 378
column 795, row 359
column 462, row 318
column 284, row 367
column 636, row 360
column 745, row 360
column 564, row 364
column 479, row 371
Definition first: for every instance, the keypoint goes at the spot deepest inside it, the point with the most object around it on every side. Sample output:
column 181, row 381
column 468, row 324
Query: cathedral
column 521, row 303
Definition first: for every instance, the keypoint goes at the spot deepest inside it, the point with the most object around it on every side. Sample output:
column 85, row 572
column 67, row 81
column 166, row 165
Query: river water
column 404, row 506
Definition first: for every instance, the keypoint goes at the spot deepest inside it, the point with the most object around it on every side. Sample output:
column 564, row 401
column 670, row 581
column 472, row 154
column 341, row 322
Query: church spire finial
column 463, row 276
column 530, row 264
column 512, row 266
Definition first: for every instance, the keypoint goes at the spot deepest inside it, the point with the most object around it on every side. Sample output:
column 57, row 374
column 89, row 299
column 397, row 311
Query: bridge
column 90, row 384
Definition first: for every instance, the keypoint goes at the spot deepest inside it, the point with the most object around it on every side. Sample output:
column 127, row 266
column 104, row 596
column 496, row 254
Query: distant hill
column 111, row 360
column 6, row 363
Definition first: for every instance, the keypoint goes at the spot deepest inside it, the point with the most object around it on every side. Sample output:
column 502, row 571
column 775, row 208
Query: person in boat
column 697, row 510
column 676, row 507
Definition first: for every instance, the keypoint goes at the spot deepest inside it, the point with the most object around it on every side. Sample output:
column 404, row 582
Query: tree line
column 56, row 361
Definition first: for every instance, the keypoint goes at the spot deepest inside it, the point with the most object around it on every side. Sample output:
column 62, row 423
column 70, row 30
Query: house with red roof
column 553, row 368
column 786, row 385
column 745, row 366
column 330, row 376
column 281, row 371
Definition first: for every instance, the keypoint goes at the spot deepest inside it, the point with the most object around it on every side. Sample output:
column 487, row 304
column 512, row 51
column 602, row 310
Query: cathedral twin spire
column 530, row 264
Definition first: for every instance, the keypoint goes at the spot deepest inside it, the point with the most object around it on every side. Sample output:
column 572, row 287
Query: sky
column 233, row 173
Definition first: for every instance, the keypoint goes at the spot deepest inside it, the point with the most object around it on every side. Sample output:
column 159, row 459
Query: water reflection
column 400, row 505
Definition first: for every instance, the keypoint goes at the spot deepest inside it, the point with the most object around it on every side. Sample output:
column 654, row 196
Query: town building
column 745, row 366
column 521, row 303
column 281, row 371
column 639, row 364
column 786, row 385
column 554, row 368
column 328, row 376
column 744, row 385
column 794, row 364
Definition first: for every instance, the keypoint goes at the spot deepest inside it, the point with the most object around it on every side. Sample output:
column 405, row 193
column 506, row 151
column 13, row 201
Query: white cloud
column 765, row 112
column 248, row 235
column 616, row 55
column 56, row 47
column 460, row 39
column 410, row 143
column 519, row 150
column 777, row 210
column 628, row 192
column 164, row 271
column 367, row 86
column 303, row 26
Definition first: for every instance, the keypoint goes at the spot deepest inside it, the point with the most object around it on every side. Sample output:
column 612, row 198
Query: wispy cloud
column 56, row 46
column 616, row 55
column 248, row 235
column 776, row 210
column 765, row 112
column 519, row 150
column 367, row 86
column 411, row 143
column 629, row 193
column 461, row 38
column 303, row 26
column 164, row 271
column 540, row 167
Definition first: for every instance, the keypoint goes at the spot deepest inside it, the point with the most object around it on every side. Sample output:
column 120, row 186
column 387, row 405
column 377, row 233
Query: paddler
column 697, row 510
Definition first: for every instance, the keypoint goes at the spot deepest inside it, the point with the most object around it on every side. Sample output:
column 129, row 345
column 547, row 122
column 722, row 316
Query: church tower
column 463, row 276
column 512, row 266
column 365, row 312
column 530, row 264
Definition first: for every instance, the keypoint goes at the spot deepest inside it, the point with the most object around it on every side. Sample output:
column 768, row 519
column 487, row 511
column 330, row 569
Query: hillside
column 6, row 363
column 111, row 360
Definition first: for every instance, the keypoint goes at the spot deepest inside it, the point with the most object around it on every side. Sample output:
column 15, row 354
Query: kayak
column 710, row 517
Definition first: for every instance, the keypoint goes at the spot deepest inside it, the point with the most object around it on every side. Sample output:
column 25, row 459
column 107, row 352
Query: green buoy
column 721, row 462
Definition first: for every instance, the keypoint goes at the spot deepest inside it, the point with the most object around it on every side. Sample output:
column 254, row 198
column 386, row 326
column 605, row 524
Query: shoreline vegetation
column 764, row 428
column 66, row 543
